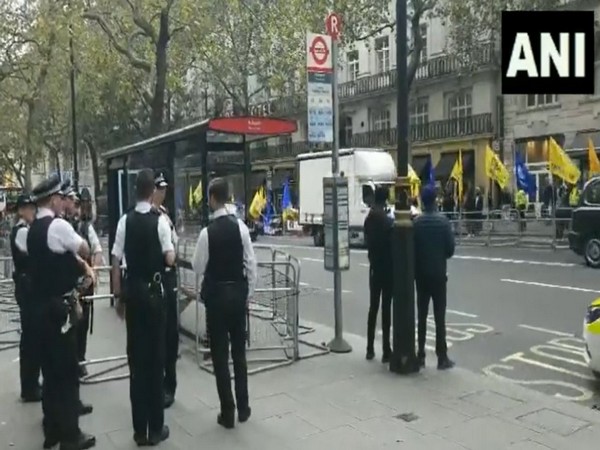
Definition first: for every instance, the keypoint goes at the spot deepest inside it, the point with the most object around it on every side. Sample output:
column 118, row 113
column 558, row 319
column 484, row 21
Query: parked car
column 584, row 235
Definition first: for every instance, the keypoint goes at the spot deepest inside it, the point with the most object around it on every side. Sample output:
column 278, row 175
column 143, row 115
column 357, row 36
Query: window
column 460, row 105
column 592, row 194
column 537, row 100
column 353, row 65
column 424, row 51
column 382, row 51
column 348, row 130
column 380, row 120
column 419, row 111
column 367, row 195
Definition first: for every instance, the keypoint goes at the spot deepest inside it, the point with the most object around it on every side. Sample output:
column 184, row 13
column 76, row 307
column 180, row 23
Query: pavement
column 331, row 401
column 513, row 314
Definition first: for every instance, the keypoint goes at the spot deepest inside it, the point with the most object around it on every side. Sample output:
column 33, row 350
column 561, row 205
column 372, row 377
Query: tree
column 258, row 48
column 141, row 32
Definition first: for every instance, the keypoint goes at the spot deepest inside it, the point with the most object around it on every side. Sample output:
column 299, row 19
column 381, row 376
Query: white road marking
column 343, row 291
column 17, row 359
column 460, row 313
column 514, row 261
column 553, row 286
column 312, row 260
column 545, row 330
column 323, row 289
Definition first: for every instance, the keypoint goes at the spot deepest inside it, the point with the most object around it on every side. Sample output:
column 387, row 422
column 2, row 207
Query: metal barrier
column 507, row 228
column 10, row 320
column 274, row 333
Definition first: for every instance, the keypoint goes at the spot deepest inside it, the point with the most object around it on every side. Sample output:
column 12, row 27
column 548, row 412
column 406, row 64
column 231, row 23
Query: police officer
column 224, row 260
column 521, row 204
column 434, row 244
column 82, row 224
column 378, row 233
column 170, row 284
column 143, row 236
column 29, row 357
column 56, row 263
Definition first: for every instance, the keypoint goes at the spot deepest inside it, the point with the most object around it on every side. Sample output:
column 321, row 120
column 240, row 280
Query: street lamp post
column 75, row 179
column 403, row 359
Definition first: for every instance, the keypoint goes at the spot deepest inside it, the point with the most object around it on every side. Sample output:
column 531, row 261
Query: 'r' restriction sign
column 318, row 53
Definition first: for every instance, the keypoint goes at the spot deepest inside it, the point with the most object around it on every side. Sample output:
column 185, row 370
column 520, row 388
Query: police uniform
column 224, row 260
column 143, row 236
column 84, row 228
column 52, row 246
column 172, row 323
column 29, row 357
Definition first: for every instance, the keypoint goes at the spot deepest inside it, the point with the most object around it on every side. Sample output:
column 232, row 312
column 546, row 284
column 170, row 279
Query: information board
column 336, row 223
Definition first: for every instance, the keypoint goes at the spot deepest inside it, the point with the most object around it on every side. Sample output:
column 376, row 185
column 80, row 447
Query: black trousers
column 29, row 352
column 380, row 290
column 145, row 319
column 226, row 321
column 83, row 328
column 171, row 332
column 432, row 289
column 60, row 390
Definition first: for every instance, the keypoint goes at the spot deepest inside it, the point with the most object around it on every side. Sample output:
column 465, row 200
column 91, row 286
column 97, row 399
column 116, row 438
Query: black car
column 584, row 236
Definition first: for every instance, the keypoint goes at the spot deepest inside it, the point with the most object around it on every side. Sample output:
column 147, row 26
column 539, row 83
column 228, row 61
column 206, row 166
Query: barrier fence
column 275, row 336
column 10, row 321
column 507, row 228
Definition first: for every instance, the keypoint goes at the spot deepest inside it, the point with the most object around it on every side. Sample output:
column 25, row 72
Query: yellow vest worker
column 521, row 199
column 574, row 197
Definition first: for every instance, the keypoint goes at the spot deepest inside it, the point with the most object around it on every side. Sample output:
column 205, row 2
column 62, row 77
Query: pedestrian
column 521, row 204
column 378, row 234
column 224, row 261
column 434, row 245
column 57, row 261
column 143, row 237
column 478, row 211
column 29, row 355
column 170, row 284
column 82, row 224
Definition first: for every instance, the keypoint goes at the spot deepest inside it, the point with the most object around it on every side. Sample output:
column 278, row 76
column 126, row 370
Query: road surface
column 512, row 313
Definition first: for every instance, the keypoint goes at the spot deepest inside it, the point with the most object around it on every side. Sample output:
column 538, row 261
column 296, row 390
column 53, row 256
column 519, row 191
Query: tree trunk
column 158, row 99
column 91, row 148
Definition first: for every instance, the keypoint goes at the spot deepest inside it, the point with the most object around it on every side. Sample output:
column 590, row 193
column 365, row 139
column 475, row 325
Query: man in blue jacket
column 434, row 245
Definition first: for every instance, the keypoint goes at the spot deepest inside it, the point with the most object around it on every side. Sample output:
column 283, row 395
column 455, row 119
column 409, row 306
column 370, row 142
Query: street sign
column 333, row 25
column 318, row 53
column 336, row 223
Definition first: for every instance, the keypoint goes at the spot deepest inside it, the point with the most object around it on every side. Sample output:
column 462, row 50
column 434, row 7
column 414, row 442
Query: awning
column 581, row 140
column 443, row 169
column 418, row 163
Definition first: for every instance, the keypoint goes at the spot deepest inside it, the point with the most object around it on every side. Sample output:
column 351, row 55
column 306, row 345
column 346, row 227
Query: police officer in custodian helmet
column 57, row 262
column 170, row 284
column 29, row 356
column 143, row 237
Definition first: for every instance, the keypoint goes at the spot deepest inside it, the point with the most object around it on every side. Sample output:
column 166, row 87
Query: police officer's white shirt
column 174, row 237
column 62, row 237
column 21, row 236
column 201, row 256
column 164, row 232
column 94, row 241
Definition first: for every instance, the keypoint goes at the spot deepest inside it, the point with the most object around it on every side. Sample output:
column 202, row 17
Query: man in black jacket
column 378, row 230
column 434, row 245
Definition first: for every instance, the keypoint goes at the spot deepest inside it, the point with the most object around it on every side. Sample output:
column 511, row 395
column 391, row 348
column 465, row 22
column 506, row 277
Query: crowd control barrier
column 274, row 332
column 10, row 322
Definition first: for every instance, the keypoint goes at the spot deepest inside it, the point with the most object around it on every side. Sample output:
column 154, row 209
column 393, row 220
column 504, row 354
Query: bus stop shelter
column 176, row 151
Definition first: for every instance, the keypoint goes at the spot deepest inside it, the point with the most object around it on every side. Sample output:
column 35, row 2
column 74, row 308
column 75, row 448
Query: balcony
column 432, row 131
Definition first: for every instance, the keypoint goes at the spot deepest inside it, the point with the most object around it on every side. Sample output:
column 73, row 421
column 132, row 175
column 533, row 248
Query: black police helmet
column 24, row 200
column 47, row 188
column 160, row 182
column 85, row 195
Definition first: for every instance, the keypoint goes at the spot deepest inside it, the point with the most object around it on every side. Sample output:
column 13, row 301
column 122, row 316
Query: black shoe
column 244, row 414
column 140, row 439
column 32, row 397
column 83, row 372
column 445, row 363
column 169, row 400
column 50, row 442
column 226, row 420
column 156, row 438
column 421, row 361
column 370, row 355
column 386, row 356
column 84, row 441
column 85, row 409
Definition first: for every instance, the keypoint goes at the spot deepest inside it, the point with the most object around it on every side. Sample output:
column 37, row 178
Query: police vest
column 225, row 251
column 52, row 274
column 20, row 259
column 143, row 250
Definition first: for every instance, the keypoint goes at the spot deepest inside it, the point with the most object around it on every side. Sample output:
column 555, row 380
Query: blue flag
column 429, row 171
column 286, row 199
column 269, row 213
column 525, row 180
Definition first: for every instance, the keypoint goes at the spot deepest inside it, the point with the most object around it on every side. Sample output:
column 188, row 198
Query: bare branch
column 377, row 31
column 135, row 61
column 141, row 22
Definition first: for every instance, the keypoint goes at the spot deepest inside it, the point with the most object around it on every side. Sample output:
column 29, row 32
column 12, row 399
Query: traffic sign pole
column 338, row 344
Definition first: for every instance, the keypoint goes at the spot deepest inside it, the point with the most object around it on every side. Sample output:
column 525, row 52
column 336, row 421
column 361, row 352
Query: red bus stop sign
column 333, row 25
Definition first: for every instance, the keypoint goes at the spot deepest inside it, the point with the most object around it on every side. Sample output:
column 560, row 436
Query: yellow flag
column 258, row 203
column 415, row 182
column 593, row 159
column 560, row 164
column 457, row 174
column 198, row 193
column 494, row 168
